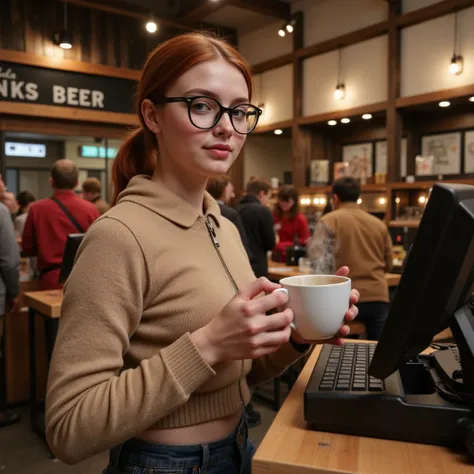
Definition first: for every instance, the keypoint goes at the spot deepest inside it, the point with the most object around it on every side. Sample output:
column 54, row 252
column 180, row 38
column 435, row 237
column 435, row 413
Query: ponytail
column 137, row 155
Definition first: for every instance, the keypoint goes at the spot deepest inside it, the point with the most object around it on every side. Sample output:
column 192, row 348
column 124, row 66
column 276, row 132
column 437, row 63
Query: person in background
column 25, row 200
column 47, row 226
column 9, row 284
column 288, row 221
column 222, row 190
column 362, row 242
column 258, row 223
column 163, row 324
column 8, row 199
column 91, row 191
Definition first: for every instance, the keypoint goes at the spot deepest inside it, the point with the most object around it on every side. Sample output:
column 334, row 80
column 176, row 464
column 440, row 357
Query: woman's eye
column 239, row 113
column 201, row 107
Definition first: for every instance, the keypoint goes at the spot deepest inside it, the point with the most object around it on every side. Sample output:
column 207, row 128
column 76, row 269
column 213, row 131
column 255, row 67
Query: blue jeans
column 232, row 455
column 373, row 314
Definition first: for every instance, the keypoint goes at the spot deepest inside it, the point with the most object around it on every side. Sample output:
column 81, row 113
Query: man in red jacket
column 51, row 220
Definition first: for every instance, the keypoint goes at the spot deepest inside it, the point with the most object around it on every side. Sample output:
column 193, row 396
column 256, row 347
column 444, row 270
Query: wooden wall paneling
column 110, row 40
column 53, row 21
column 394, row 121
column 122, row 39
column 71, row 13
column 86, row 35
column 17, row 15
column 94, row 26
column 301, row 144
column 75, row 25
column 29, row 22
column 5, row 24
column 102, row 38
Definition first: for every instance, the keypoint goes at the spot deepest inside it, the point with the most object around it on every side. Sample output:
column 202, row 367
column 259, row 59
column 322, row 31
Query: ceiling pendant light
column 282, row 32
column 63, row 38
column 340, row 90
column 457, row 62
column 151, row 25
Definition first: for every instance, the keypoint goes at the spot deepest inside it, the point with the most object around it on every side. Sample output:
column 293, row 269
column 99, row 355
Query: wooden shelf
column 426, row 184
column 411, row 224
column 314, row 190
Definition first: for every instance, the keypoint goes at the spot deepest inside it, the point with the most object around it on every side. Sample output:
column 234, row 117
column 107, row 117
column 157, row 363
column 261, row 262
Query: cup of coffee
column 319, row 303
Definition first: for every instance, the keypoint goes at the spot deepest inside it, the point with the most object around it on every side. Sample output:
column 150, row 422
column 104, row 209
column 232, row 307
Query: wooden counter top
column 290, row 448
column 276, row 271
column 46, row 302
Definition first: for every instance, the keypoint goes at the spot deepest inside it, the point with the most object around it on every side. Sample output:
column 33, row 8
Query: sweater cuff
column 186, row 364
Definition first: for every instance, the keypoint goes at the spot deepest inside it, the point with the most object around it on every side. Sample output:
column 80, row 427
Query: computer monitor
column 70, row 249
column 437, row 281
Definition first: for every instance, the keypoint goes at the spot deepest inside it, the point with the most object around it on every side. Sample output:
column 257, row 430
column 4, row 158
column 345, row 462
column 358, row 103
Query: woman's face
column 191, row 150
column 285, row 206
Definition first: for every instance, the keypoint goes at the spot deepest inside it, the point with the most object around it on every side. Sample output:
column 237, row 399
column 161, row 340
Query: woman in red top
column 289, row 222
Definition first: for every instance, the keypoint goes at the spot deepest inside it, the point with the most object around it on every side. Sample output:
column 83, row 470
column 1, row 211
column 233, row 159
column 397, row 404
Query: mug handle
column 281, row 308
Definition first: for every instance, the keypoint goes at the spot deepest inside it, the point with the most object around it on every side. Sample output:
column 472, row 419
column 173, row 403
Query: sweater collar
column 349, row 205
column 162, row 201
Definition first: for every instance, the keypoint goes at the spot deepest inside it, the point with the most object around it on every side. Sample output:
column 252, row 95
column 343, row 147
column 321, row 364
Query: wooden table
column 276, row 271
column 290, row 448
column 47, row 304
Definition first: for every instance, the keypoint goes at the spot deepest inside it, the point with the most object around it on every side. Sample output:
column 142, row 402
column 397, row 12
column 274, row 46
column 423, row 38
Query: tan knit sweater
column 146, row 276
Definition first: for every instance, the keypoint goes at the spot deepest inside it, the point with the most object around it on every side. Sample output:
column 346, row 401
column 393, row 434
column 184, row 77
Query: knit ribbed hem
column 186, row 364
column 204, row 407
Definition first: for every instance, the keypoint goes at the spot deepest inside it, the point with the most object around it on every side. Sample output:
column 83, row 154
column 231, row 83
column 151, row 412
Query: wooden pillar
column 300, row 138
column 394, row 120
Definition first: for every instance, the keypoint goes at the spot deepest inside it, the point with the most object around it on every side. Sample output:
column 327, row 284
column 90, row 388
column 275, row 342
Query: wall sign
column 37, row 85
column 90, row 151
column 26, row 150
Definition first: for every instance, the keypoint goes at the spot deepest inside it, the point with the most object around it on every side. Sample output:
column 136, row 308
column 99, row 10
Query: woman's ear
column 150, row 116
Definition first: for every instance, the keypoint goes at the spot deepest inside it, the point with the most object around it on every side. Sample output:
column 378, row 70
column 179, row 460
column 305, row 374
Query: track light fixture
column 288, row 27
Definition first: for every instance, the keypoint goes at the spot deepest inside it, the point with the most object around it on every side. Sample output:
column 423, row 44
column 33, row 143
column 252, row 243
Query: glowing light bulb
column 151, row 26
column 281, row 32
column 422, row 199
column 345, row 120
column 456, row 66
column 367, row 116
column 444, row 103
column 322, row 201
column 340, row 92
column 290, row 28
column 382, row 201
column 397, row 200
column 359, row 201
column 332, row 122
column 278, row 131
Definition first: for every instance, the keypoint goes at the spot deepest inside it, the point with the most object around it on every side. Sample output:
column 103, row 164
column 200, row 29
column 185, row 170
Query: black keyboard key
column 375, row 388
column 358, row 386
column 343, row 386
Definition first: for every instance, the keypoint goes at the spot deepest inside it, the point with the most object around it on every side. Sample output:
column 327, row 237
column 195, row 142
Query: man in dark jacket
column 258, row 223
column 9, row 281
column 222, row 190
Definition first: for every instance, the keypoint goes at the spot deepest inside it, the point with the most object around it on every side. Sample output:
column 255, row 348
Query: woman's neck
column 186, row 185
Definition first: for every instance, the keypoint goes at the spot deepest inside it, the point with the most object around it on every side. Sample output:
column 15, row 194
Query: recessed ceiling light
column 367, row 116
column 332, row 122
column 151, row 26
column 345, row 120
column 471, row 99
column 444, row 103
column 278, row 131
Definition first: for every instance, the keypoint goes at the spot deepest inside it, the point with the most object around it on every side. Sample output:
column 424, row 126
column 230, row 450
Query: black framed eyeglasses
column 205, row 112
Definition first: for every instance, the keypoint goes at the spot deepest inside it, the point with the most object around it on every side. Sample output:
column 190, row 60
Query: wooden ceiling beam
column 201, row 11
column 273, row 8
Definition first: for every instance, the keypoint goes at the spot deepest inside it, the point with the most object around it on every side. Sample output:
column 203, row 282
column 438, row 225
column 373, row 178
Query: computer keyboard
column 346, row 369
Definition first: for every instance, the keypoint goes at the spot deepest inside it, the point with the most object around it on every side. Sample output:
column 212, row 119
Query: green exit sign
column 89, row 151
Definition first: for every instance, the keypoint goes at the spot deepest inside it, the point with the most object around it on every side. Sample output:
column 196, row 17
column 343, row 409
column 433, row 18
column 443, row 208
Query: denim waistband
column 199, row 456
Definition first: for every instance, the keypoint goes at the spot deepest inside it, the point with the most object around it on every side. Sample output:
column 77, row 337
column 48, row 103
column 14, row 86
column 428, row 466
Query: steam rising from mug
column 322, row 250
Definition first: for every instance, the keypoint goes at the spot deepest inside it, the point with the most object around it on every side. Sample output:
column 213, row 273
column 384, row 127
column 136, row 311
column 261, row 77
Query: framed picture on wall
column 445, row 148
column 469, row 152
column 319, row 172
column 381, row 157
column 403, row 158
column 359, row 160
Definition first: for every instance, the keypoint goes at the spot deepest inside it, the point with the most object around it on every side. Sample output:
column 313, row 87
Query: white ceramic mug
column 319, row 303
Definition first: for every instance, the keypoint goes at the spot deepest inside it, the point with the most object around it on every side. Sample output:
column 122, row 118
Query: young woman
column 288, row 221
column 163, row 324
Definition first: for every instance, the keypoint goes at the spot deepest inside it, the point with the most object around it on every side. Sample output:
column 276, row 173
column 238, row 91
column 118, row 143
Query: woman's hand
column 242, row 330
column 345, row 329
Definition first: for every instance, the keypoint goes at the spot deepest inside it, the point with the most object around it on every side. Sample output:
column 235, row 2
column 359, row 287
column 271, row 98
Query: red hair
column 165, row 64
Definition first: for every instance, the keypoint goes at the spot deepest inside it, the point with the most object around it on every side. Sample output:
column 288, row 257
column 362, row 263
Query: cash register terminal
column 387, row 389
